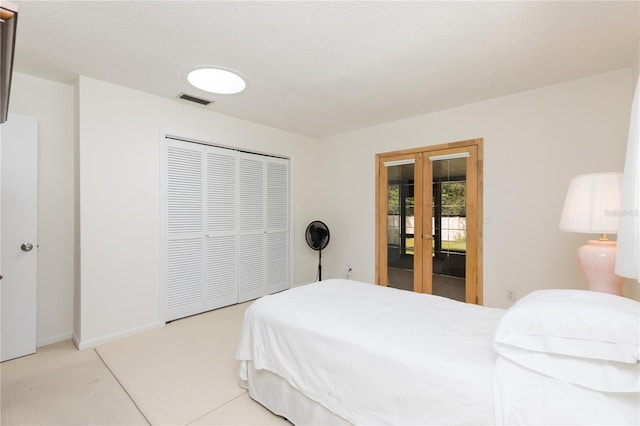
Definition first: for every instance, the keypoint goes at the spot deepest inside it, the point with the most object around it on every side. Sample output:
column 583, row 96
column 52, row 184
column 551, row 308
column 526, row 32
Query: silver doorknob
column 26, row 247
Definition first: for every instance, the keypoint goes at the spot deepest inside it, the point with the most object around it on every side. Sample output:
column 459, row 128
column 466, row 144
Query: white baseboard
column 90, row 343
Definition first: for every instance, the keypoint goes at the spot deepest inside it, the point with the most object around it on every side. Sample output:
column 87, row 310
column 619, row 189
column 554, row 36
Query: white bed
column 347, row 352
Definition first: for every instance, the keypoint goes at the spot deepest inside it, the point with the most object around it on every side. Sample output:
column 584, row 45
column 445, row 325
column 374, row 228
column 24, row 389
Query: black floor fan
column 317, row 236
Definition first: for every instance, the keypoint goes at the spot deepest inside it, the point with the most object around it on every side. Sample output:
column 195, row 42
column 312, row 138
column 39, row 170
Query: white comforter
column 405, row 358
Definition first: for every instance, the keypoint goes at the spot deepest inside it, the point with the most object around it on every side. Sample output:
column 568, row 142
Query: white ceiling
column 322, row 68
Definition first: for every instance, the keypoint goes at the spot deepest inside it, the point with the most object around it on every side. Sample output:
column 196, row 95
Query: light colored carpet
column 181, row 374
column 183, row 371
column 59, row 385
column 241, row 411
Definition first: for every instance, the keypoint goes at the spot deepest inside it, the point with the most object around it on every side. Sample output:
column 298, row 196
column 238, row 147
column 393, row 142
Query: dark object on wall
column 317, row 236
column 8, row 27
column 194, row 99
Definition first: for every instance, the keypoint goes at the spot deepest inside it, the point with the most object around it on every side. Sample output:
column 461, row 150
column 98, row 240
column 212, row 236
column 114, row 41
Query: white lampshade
column 593, row 204
column 628, row 254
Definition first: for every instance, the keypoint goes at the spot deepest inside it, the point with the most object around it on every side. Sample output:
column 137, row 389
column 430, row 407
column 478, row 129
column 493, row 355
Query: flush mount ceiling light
column 216, row 80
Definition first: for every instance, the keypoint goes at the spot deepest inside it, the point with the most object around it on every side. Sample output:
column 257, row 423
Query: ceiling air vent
column 194, row 99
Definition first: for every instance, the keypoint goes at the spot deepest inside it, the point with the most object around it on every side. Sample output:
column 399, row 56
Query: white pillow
column 596, row 374
column 578, row 323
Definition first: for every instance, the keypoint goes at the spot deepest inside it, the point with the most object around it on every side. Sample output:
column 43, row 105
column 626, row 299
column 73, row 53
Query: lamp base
column 597, row 259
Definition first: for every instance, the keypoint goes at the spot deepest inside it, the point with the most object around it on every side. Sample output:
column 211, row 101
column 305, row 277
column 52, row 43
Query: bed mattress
column 404, row 358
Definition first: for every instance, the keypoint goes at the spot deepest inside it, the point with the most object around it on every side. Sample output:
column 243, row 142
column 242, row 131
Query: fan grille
column 317, row 235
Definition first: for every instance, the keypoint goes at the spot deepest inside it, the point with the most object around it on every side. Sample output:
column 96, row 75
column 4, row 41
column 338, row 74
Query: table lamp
column 592, row 206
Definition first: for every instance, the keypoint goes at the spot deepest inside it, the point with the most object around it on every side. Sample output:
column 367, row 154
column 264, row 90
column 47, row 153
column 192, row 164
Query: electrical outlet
column 349, row 270
column 511, row 295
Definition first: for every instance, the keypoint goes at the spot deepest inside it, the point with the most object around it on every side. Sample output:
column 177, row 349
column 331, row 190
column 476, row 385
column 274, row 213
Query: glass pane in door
column 449, row 224
column 400, row 226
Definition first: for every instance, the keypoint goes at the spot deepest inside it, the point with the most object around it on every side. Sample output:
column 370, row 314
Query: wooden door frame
column 380, row 231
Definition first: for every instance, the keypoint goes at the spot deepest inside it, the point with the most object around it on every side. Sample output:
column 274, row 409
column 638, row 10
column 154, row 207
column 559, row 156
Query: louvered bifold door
column 252, row 230
column 277, row 225
column 184, row 225
column 221, row 241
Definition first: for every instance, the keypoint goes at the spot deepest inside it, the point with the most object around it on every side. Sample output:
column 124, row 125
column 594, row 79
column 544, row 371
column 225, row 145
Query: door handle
column 26, row 247
column 428, row 237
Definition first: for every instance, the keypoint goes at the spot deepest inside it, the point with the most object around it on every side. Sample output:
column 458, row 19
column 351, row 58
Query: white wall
column 119, row 146
column 534, row 142
column 556, row 132
column 52, row 104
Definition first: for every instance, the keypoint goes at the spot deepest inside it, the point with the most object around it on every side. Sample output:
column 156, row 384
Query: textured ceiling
column 321, row 68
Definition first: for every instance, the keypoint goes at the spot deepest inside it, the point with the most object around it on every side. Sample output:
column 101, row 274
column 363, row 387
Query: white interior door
column 277, row 225
column 184, row 228
column 221, row 239
column 226, row 226
column 18, row 235
column 252, row 230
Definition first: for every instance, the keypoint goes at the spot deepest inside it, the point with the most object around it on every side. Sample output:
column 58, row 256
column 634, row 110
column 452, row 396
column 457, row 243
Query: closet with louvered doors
column 225, row 227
